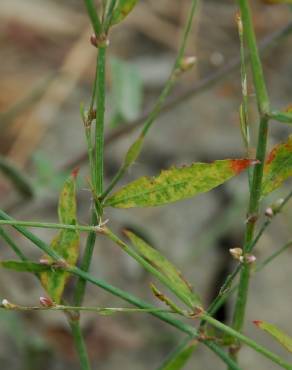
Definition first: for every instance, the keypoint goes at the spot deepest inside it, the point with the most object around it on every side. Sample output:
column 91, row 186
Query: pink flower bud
column 46, row 302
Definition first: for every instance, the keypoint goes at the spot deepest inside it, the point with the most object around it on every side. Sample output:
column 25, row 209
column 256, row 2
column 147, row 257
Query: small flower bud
column 187, row 63
column 46, row 302
column 7, row 304
column 248, row 258
column 236, row 253
column 269, row 212
column 93, row 40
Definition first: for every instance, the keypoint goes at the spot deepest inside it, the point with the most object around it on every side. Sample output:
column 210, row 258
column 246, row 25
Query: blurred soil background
column 47, row 68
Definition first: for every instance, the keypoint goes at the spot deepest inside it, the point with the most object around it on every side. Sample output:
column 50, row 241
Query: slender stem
column 185, row 343
column 11, row 243
column 79, row 291
column 100, row 310
column 225, row 291
column 285, row 117
column 109, row 14
column 80, row 344
column 51, row 225
column 99, row 128
column 232, row 365
column 251, row 343
column 91, row 10
column 153, row 114
column 221, row 298
column 269, row 259
column 255, row 193
column 196, row 88
column 256, row 65
column 143, row 262
column 191, row 331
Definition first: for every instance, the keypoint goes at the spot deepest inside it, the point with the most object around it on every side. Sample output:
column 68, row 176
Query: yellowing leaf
column 66, row 243
column 123, row 8
column 177, row 183
column 162, row 264
column 276, row 333
column 278, row 166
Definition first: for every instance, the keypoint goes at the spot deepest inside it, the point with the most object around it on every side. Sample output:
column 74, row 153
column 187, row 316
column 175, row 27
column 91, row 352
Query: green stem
column 225, row 291
column 191, row 331
column 176, row 70
column 80, row 344
column 101, row 310
column 51, row 225
column 99, row 128
column 91, row 10
column 109, row 15
column 256, row 65
column 85, row 264
column 285, row 117
column 273, row 256
column 13, row 246
column 143, row 262
column 251, row 343
column 255, row 193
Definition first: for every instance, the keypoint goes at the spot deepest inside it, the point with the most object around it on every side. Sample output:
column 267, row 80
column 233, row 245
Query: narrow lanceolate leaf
column 66, row 243
column 24, row 266
column 123, row 8
column 276, row 333
column 177, row 183
column 180, row 357
column 278, row 167
column 162, row 264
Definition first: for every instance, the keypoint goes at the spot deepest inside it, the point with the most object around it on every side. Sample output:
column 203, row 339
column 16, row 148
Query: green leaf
column 162, row 264
column 123, row 8
column 276, row 333
column 180, row 357
column 66, row 243
column 177, row 183
column 278, row 166
column 21, row 182
column 127, row 90
column 24, row 266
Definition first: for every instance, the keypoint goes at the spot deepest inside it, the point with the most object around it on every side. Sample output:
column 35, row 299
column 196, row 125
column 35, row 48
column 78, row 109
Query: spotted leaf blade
column 123, row 8
column 66, row 242
column 278, row 166
column 177, row 183
column 180, row 357
column 276, row 333
column 162, row 264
